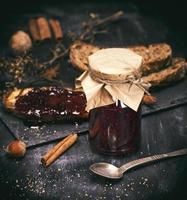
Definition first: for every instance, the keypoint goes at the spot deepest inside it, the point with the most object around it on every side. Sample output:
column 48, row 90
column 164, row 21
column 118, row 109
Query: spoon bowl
column 106, row 170
column 110, row 171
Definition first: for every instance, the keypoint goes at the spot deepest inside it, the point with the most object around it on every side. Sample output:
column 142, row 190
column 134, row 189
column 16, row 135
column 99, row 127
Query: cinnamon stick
column 34, row 30
column 44, row 29
column 56, row 28
column 58, row 149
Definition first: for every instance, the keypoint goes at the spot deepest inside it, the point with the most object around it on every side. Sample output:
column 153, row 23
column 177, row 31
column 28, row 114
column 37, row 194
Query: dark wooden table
column 69, row 177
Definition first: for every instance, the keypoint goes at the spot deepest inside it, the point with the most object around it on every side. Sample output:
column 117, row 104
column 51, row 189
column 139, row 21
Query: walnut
column 20, row 42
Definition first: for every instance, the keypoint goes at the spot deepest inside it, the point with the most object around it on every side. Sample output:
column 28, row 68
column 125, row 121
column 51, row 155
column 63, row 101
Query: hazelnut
column 149, row 100
column 20, row 42
column 16, row 148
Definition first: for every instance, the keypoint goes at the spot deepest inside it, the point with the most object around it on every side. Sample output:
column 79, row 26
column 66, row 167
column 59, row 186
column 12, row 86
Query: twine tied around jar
column 134, row 78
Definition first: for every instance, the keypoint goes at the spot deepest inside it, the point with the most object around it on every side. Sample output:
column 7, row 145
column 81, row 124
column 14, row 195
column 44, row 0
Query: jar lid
column 114, row 63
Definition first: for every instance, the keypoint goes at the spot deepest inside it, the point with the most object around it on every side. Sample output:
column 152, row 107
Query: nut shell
column 16, row 148
column 20, row 42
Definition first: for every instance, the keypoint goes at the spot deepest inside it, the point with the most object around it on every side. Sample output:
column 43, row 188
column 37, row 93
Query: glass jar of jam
column 114, row 130
column 114, row 73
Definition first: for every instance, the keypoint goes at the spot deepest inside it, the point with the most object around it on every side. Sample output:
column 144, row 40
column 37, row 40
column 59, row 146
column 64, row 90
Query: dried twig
column 90, row 29
column 98, row 23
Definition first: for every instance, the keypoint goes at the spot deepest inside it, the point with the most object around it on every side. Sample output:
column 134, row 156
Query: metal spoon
column 110, row 171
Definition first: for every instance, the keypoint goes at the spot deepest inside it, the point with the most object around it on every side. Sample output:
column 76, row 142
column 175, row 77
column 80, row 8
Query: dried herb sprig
column 13, row 70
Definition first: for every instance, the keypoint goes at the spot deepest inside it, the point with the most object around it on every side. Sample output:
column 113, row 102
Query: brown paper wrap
column 114, row 75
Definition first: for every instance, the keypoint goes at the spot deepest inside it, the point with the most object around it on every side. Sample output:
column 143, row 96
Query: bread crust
column 168, row 76
column 10, row 98
column 79, row 53
column 155, row 57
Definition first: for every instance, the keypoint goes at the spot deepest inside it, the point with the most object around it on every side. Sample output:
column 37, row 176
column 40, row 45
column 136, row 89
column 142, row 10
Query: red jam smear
column 51, row 104
column 114, row 130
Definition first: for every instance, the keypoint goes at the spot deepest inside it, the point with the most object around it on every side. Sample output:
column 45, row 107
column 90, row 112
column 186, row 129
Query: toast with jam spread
column 46, row 104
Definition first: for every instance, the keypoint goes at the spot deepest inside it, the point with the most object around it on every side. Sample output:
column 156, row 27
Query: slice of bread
column 155, row 56
column 79, row 53
column 168, row 76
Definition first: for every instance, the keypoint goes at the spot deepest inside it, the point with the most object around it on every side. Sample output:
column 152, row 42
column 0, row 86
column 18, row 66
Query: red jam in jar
column 114, row 130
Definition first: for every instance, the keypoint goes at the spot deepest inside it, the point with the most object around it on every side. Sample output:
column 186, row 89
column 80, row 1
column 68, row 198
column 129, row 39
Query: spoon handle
column 150, row 159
